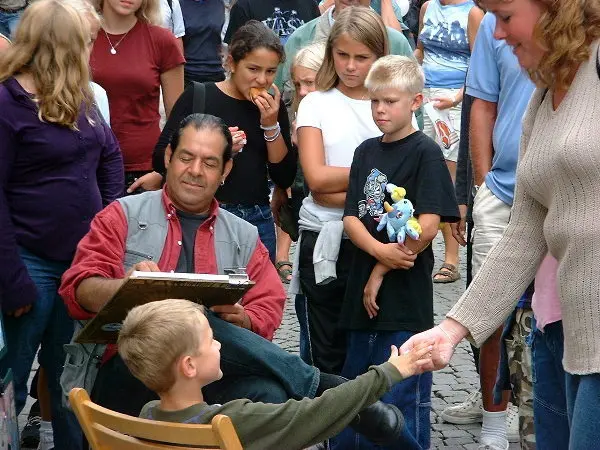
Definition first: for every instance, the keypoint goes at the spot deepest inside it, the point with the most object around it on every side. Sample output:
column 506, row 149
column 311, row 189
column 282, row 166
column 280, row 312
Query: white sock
column 46, row 432
column 45, row 426
column 494, row 426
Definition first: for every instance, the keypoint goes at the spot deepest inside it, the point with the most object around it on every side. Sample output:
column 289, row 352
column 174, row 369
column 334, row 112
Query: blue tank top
column 446, row 44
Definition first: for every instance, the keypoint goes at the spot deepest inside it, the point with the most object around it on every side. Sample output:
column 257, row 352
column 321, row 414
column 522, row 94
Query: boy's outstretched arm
column 301, row 423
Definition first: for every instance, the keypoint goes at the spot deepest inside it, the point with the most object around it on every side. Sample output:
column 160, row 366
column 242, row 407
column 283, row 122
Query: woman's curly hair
column 565, row 31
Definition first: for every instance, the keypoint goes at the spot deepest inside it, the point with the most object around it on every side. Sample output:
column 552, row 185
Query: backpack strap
column 199, row 98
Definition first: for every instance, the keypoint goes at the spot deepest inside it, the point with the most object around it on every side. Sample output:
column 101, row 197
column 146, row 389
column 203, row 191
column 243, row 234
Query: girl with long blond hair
column 59, row 165
column 132, row 59
column 556, row 204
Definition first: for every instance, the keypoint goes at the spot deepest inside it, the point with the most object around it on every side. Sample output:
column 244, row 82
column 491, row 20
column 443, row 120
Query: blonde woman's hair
column 310, row 57
column 52, row 45
column 565, row 30
column 361, row 24
column 149, row 11
column 396, row 72
column 155, row 336
column 88, row 10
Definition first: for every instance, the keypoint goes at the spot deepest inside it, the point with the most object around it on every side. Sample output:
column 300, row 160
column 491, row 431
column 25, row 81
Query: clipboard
column 145, row 287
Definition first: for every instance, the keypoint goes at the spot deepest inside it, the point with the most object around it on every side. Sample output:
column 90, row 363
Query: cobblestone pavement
column 450, row 385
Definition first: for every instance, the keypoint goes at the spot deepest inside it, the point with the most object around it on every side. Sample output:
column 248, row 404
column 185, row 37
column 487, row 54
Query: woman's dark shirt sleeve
column 110, row 175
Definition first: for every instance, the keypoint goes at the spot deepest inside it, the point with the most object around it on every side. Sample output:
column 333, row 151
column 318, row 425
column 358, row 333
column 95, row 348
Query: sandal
column 284, row 274
column 449, row 272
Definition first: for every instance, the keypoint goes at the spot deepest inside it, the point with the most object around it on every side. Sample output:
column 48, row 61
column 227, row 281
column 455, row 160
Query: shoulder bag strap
column 199, row 98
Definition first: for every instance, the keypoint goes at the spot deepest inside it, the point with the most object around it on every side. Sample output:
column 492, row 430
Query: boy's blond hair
column 155, row 335
column 396, row 72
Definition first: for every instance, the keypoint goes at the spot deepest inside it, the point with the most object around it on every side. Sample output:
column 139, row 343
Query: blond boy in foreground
column 169, row 346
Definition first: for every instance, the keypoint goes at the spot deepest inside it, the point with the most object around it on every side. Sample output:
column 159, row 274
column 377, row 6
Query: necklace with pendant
column 113, row 48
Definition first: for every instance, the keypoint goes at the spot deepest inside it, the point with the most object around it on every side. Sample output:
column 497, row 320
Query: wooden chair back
column 109, row 430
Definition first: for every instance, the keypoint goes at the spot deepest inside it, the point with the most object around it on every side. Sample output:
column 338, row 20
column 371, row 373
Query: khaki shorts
column 490, row 219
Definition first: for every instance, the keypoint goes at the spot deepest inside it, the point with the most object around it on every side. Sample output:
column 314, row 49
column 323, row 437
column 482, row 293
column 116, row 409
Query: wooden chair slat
column 106, row 429
column 153, row 430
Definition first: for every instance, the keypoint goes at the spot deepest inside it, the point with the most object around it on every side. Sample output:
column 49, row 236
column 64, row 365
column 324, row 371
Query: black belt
column 12, row 11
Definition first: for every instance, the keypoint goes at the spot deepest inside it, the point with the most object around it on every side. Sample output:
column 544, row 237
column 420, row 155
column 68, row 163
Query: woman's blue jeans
column 549, row 392
column 47, row 325
column 583, row 410
column 261, row 217
column 412, row 396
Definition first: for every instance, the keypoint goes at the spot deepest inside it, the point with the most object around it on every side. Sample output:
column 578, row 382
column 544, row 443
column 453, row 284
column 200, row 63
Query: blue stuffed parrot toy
column 398, row 219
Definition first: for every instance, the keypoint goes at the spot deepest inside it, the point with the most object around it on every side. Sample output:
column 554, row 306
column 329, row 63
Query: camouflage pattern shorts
column 521, row 379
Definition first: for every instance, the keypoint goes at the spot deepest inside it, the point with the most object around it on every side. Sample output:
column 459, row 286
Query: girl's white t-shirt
column 344, row 123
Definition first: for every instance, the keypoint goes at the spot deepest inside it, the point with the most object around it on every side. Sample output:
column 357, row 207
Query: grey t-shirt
column 189, row 226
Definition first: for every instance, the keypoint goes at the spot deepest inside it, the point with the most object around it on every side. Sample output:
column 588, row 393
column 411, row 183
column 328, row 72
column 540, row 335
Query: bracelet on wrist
column 270, row 127
column 272, row 138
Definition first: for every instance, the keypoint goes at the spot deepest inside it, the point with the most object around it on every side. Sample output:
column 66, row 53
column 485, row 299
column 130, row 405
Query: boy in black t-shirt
column 389, row 295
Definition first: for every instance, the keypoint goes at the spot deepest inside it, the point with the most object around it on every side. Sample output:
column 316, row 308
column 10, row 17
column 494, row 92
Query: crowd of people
column 199, row 136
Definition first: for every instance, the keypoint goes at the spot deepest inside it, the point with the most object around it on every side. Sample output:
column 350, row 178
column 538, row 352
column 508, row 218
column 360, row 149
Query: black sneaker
column 30, row 436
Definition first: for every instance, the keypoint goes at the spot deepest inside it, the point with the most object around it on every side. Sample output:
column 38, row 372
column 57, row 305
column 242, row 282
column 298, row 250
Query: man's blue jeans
column 549, row 391
column 48, row 325
column 261, row 217
column 412, row 396
column 9, row 22
column 244, row 353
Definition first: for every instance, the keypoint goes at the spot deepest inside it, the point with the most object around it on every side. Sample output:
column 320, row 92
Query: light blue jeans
column 9, row 22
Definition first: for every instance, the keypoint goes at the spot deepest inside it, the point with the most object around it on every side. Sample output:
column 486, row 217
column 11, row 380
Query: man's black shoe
column 381, row 423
